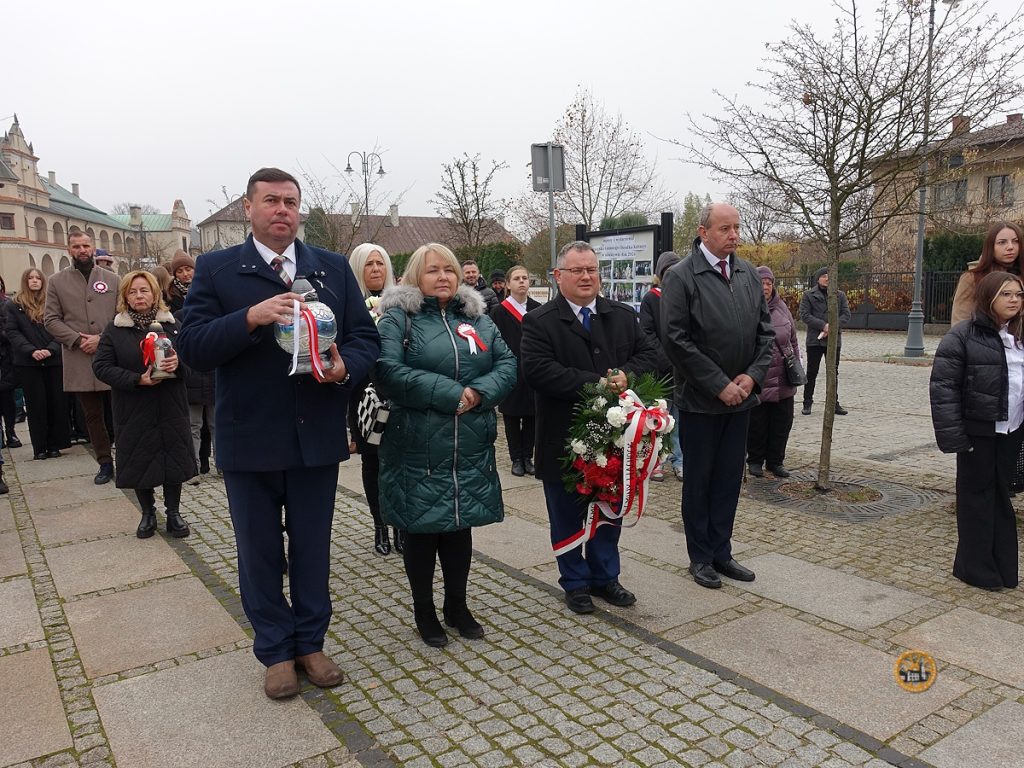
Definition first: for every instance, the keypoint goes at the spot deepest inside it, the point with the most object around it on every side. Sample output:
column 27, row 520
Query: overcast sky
column 149, row 102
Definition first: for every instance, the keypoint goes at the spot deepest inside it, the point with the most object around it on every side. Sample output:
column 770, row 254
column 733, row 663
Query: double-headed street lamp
column 915, row 320
column 366, row 158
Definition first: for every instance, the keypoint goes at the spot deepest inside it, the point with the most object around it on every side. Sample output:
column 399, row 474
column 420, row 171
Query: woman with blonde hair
column 154, row 441
column 977, row 399
column 372, row 268
column 37, row 358
column 444, row 374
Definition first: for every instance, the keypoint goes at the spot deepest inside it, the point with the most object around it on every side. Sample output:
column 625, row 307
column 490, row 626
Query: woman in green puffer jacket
column 438, row 477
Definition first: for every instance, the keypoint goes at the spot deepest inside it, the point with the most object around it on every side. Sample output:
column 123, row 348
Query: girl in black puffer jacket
column 977, row 399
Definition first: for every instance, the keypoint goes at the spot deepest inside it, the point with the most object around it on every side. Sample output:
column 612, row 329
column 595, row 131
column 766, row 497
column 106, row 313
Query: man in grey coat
column 718, row 334
column 814, row 314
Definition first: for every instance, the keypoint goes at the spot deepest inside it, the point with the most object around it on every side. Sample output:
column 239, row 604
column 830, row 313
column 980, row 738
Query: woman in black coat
column 518, row 409
column 154, row 443
column 977, row 398
column 37, row 359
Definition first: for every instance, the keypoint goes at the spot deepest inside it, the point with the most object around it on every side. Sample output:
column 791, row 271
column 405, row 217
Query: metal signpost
column 548, row 163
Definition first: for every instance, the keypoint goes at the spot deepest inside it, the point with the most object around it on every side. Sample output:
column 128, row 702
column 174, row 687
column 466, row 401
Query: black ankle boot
column 399, row 540
column 429, row 627
column 463, row 620
column 147, row 525
column 13, row 441
column 176, row 526
column 381, row 543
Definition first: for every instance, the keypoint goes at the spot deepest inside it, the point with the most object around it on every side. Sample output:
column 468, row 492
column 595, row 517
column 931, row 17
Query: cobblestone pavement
column 136, row 653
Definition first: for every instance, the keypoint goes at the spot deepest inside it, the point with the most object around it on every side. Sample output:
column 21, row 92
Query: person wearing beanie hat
column 650, row 322
column 497, row 281
column 772, row 420
column 814, row 314
column 103, row 258
column 182, row 268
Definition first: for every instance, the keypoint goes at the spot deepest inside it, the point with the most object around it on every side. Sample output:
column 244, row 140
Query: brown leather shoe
column 281, row 681
column 321, row 671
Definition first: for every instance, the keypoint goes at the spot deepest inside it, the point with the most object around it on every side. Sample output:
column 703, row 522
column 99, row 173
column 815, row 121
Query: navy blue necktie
column 585, row 312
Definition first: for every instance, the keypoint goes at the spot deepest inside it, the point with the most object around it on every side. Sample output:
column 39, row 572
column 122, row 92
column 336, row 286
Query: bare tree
column 467, row 198
column 126, row 208
column 607, row 171
column 759, row 203
column 843, row 117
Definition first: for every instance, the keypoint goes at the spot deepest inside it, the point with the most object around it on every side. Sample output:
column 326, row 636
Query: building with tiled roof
column 228, row 227
column 163, row 233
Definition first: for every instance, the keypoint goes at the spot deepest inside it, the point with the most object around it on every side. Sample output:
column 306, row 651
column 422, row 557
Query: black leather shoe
column 429, row 627
column 614, row 593
column 755, row 469
column 528, row 466
column 147, row 525
column 840, row 411
column 579, row 600
column 463, row 620
column 41, row 456
column 381, row 542
column 53, row 453
column 517, row 468
column 705, row 575
column 177, row 527
column 105, row 475
column 13, row 441
column 806, row 410
column 779, row 471
column 734, row 570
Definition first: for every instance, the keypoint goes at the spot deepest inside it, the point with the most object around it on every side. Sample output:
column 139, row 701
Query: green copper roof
column 66, row 204
column 151, row 222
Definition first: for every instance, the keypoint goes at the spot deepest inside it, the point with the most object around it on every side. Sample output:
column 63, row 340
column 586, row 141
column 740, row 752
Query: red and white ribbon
column 636, row 473
column 148, row 347
column 302, row 313
column 512, row 309
column 468, row 332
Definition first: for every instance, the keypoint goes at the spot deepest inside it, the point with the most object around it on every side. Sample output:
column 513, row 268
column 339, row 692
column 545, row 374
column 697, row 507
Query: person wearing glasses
column 977, row 400
column 577, row 338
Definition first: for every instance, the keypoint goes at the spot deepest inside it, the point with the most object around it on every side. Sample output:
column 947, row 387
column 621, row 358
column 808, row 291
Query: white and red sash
column 656, row 290
column 512, row 309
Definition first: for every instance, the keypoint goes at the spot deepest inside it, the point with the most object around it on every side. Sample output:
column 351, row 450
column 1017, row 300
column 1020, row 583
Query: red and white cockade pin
column 468, row 332
column 100, row 287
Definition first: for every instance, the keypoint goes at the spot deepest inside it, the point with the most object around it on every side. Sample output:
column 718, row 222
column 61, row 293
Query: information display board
column 626, row 262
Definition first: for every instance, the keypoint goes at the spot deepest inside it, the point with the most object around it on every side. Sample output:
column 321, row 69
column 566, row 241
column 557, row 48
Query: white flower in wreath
column 661, row 404
column 616, row 416
column 620, row 441
column 599, row 403
column 601, row 460
column 578, row 446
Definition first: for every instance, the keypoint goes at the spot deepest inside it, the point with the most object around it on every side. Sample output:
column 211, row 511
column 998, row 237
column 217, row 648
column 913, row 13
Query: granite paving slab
column 91, row 520
column 220, row 718
column 67, row 466
column 828, row 593
column 993, row 740
column 95, row 565
column 663, row 600
column 6, row 515
column 839, row 677
column 19, row 616
column 32, row 719
column 350, row 476
column 128, row 629
column 516, row 542
column 12, row 559
column 62, row 492
column 983, row 644
column 529, row 500
column 663, row 540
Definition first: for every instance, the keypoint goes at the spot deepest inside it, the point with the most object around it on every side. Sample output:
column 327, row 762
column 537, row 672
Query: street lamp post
column 915, row 320
column 366, row 158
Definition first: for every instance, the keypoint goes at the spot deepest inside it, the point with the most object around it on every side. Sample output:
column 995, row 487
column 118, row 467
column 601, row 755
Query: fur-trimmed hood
column 467, row 300
column 124, row 320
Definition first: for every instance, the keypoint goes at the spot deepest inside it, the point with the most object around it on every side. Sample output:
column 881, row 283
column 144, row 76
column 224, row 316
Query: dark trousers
column 986, row 549
column 519, row 433
column 714, row 446
column 770, row 424
column 814, row 357
column 8, row 411
column 255, row 500
column 595, row 563
column 47, row 407
column 423, row 550
column 172, row 498
column 371, row 481
column 95, row 424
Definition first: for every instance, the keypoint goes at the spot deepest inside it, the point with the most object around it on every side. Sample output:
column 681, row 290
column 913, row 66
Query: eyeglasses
column 580, row 271
column 1011, row 295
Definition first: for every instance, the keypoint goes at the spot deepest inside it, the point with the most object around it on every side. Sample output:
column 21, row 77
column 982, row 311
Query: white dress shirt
column 713, row 261
column 516, row 304
column 1015, row 395
column 592, row 306
column 288, row 256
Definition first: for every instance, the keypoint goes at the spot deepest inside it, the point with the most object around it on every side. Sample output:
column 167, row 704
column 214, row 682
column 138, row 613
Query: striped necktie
column 278, row 264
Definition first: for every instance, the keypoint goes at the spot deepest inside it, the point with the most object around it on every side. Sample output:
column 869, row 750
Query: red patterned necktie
column 721, row 268
column 278, row 264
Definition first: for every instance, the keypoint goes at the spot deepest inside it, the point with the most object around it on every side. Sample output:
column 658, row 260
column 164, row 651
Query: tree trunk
column 824, row 483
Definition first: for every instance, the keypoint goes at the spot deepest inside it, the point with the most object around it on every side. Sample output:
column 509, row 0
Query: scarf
column 142, row 320
column 181, row 287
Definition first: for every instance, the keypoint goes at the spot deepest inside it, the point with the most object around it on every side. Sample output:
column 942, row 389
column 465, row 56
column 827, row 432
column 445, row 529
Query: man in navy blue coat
column 279, row 438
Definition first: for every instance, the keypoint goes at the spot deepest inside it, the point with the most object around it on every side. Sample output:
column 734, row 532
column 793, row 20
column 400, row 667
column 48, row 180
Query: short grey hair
column 575, row 245
column 705, row 214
